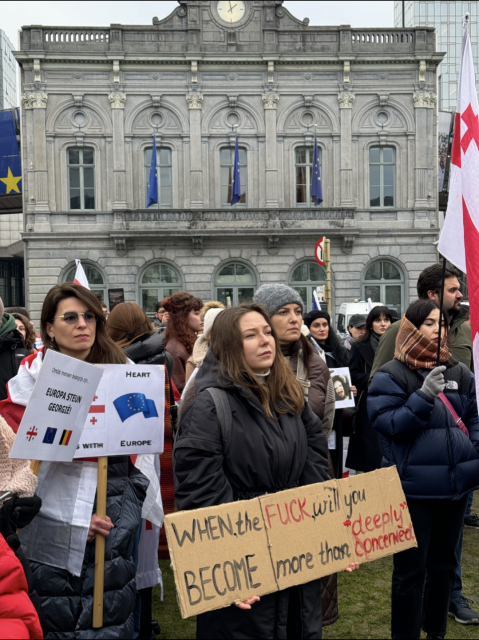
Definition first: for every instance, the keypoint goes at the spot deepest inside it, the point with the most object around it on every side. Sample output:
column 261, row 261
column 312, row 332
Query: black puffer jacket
column 264, row 456
column 12, row 352
column 66, row 600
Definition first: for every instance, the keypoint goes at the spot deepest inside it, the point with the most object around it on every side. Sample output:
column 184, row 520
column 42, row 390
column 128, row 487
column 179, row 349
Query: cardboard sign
column 55, row 415
column 127, row 414
column 225, row 554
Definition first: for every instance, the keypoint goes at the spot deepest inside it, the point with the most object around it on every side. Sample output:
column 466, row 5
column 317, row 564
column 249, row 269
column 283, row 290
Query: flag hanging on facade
column 10, row 163
column 153, row 180
column 316, row 182
column 236, row 182
column 80, row 276
column 459, row 241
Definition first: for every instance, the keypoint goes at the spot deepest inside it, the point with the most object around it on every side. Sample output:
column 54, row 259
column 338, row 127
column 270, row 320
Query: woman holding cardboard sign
column 428, row 426
column 72, row 323
column 275, row 442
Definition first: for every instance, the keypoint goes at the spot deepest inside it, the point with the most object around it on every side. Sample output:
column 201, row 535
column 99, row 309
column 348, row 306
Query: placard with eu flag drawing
column 127, row 413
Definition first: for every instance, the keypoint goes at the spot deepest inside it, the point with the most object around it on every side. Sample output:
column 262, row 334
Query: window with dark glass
column 235, row 284
column 384, row 282
column 227, row 159
column 304, row 175
column 95, row 280
column 382, row 176
column 164, row 172
column 159, row 281
column 81, row 178
column 307, row 278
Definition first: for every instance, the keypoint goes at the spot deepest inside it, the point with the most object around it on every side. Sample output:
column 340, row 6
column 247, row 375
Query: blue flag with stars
column 316, row 183
column 236, row 183
column 10, row 163
column 153, row 186
column 133, row 403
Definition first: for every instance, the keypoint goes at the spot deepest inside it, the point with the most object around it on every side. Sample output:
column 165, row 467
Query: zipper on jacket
column 449, row 449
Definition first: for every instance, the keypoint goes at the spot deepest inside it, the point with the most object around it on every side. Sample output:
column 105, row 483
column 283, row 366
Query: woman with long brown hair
column 275, row 443
column 72, row 323
column 184, row 322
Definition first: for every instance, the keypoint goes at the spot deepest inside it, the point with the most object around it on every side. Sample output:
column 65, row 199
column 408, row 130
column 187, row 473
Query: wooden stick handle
column 99, row 580
column 35, row 467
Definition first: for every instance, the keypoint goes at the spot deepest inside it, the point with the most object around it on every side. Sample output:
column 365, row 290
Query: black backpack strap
column 225, row 416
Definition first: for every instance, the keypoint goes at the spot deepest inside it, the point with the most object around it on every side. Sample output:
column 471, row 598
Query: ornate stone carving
column 270, row 100
column 116, row 71
column 197, row 248
column 424, row 100
column 422, row 71
column 156, row 101
column 194, row 71
column 120, row 244
column 36, row 100
column 117, row 100
column 346, row 72
column 308, row 101
column 348, row 242
column 271, row 72
column 78, row 100
column 233, row 100
column 383, row 99
column 37, row 71
column 194, row 100
column 346, row 100
column 273, row 245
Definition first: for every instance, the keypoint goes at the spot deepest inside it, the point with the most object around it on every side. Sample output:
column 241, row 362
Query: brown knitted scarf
column 415, row 350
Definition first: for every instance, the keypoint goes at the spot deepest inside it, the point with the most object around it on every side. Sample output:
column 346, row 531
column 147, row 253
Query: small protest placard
column 127, row 414
column 342, row 388
column 232, row 552
column 55, row 415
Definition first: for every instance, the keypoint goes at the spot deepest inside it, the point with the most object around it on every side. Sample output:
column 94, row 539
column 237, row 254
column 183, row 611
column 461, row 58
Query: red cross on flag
column 459, row 241
column 96, row 414
column 80, row 276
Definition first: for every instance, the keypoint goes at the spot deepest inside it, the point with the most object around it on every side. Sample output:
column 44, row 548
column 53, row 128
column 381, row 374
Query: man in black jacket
column 12, row 350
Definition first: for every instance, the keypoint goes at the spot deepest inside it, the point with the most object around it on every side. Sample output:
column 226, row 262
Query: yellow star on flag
column 11, row 182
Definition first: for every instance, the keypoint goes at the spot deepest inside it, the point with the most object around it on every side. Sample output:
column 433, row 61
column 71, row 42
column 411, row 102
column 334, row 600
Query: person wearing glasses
column 73, row 323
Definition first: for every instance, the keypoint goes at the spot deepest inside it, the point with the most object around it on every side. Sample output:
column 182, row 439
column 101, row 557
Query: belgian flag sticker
column 65, row 439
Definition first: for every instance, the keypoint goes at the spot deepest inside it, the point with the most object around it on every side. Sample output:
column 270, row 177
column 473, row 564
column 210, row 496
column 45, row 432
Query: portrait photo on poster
column 342, row 388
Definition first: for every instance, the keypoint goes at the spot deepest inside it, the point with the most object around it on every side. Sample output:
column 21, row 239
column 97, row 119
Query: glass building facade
column 8, row 74
column 447, row 18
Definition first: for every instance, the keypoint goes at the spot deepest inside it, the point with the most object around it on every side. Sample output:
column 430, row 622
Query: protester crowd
column 250, row 409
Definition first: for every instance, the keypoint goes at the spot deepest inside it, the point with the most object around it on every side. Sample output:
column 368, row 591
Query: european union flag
column 133, row 403
column 50, row 436
column 316, row 183
column 236, row 182
column 10, row 163
column 153, row 186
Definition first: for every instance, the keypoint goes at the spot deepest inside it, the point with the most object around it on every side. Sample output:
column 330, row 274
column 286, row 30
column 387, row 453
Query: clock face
column 231, row 12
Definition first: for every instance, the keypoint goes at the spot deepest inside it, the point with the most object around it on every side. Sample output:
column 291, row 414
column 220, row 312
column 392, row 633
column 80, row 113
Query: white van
column 349, row 309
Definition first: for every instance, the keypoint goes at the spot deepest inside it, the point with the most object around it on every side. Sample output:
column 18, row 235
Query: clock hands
column 232, row 7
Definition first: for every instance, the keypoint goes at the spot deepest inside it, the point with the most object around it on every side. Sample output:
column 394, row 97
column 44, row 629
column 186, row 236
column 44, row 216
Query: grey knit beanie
column 275, row 296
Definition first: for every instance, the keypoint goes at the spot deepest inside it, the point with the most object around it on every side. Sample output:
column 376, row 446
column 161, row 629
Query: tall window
column 165, row 177
column 306, row 278
column 304, row 175
column 382, row 176
column 159, row 281
column 235, row 283
column 95, row 280
column 227, row 159
column 81, row 178
column 384, row 282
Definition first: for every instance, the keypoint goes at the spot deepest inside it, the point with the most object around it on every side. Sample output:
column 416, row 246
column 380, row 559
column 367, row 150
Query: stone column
column 37, row 101
column 195, row 101
column 424, row 105
column 117, row 102
column 270, row 101
column 346, row 105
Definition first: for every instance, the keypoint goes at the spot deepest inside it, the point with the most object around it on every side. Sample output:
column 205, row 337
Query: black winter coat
column 67, row 600
column 264, row 456
column 12, row 352
column 434, row 458
column 364, row 453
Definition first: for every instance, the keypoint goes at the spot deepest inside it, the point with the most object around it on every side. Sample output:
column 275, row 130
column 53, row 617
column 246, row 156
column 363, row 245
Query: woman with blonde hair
column 274, row 442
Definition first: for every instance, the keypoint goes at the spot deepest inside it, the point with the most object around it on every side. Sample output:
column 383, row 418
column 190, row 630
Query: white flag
column 80, row 276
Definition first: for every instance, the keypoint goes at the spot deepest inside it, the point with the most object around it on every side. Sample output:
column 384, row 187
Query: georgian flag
column 80, row 276
column 459, row 241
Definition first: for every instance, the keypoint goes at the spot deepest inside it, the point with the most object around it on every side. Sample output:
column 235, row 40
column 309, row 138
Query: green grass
column 364, row 600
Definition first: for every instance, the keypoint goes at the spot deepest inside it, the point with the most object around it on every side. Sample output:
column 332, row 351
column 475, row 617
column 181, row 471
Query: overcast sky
column 15, row 14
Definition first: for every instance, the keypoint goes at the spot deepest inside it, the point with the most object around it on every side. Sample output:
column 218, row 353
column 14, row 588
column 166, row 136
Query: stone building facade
column 92, row 100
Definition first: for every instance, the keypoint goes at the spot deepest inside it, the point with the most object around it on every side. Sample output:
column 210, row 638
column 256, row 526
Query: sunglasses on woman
column 72, row 317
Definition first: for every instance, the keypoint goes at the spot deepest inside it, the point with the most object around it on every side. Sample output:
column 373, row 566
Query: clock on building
column 231, row 12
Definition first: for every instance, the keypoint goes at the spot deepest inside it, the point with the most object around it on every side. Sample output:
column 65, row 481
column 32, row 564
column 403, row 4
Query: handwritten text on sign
column 232, row 552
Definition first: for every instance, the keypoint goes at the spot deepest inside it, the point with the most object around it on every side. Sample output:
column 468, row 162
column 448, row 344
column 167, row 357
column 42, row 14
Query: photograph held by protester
column 437, row 459
column 364, row 453
column 285, row 307
column 276, row 442
column 184, row 322
column 72, row 323
column 12, row 349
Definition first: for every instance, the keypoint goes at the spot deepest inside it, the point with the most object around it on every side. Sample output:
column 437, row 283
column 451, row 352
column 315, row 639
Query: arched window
column 384, row 282
column 235, row 283
column 95, row 280
column 159, row 281
column 306, row 278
